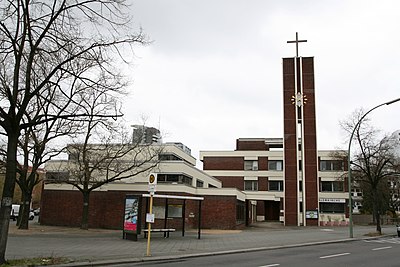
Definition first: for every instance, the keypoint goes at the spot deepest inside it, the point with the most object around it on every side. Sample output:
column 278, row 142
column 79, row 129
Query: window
column 332, row 207
column 168, row 157
column 275, row 165
column 275, row 186
column 331, row 186
column 251, row 165
column 73, row 156
column 174, row 178
column 57, row 176
column 331, row 165
column 250, row 185
column 175, row 211
column 199, row 183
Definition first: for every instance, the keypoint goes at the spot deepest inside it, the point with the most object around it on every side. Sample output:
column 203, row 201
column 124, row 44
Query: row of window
column 329, row 186
column 277, row 165
column 325, row 207
column 273, row 165
column 161, row 178
column 175, row 210
column 272, row 185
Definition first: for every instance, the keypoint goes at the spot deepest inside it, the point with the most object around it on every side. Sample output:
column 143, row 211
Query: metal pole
column 349, row 163
column 149, row 227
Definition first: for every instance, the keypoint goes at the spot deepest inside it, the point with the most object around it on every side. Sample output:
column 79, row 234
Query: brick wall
column 251, row 145
column 232, row 181
column 106, row 210
column 220, row 212
column 263, row 163
column 262, row 183
column 223, row 163
column 290, row 154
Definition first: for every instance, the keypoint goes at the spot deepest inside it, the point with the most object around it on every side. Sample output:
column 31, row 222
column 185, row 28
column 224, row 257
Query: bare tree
column 106, row 154
column 38, row 145
column 372, row 165
column 54, row 49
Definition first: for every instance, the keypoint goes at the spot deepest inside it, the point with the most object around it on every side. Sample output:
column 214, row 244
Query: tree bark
column 378, row 223
column 85, row 211
column 376, row 211
column 23, row 218
column 8, row 193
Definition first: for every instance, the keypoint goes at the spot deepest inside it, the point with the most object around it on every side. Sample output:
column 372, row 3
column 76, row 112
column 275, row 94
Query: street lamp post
column 349, row 162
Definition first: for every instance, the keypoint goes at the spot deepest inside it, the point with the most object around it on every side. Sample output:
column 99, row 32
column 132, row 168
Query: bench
column 165, row 231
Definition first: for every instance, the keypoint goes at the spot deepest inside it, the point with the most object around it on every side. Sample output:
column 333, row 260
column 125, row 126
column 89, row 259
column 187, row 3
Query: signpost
column 150, row 215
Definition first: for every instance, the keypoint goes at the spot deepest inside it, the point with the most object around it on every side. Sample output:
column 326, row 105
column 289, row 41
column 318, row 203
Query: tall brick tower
column 300, row 143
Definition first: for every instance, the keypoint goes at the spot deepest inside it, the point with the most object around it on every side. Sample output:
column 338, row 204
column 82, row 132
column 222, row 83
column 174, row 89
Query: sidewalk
column 103, row 247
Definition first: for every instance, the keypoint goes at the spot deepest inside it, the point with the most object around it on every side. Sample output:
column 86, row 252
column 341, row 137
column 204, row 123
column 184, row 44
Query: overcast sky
column 213, row 72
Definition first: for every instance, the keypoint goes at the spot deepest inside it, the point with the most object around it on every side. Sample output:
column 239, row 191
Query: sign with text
column 150, row 217
column 312, row 214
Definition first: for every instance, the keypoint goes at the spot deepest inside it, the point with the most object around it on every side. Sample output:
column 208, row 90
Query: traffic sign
column 153, row 179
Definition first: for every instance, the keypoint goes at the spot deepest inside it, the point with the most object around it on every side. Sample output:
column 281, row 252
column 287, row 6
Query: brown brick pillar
column 310, row 139
column 290, row 145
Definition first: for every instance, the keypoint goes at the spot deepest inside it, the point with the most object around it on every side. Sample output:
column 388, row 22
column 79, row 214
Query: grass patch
column 373, row 234
column 36, row 262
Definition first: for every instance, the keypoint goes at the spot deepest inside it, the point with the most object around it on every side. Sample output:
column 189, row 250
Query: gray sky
column 214, row 70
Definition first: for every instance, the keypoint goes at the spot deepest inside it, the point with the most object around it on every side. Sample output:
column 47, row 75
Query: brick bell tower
column 300, row 142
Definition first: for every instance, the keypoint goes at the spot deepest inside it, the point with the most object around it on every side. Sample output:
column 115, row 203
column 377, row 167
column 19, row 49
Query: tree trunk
column 376, row 212
column 85, row 211
column 23, row 218
column 8, row 193
column 378, row 223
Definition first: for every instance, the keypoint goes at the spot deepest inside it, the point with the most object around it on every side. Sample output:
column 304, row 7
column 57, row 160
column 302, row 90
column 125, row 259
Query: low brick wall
column 106, row 210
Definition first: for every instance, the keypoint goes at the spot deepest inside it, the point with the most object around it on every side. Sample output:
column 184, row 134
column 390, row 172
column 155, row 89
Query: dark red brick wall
column 220, row 212
column 262, row 183
column 290, row 155
column 310, row 141
column 251, row 145
column 310, row 138
column 232, row 181
column 106, row 210
column 263, row 163
column 64, row 208
column 223, row 163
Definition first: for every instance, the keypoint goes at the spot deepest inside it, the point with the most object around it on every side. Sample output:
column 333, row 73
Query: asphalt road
column 378, row 252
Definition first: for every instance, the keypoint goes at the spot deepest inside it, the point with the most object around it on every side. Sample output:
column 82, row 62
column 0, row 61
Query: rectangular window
column 331, row 165
column 175, row 211
column 174, row 178
column 275, row 186
column 57, row 176
column 331, row 186
column 250, row 185
column 251, row 165
column 199, row 183
column 332, row 207
column 168, row 157
column 275, row 165
column 159, row 212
